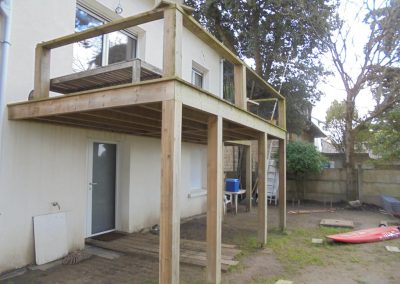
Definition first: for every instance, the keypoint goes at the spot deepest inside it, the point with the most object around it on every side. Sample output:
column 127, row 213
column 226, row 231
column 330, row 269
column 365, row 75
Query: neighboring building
column 126, row 146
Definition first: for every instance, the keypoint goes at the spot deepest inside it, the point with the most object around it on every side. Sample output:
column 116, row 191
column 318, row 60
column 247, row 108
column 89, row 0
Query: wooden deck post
column 282, row 184
column 262, row 188
column 42, row 72
column 214, row 198
column 249, row 184
column 240, row 86
column 282, row 113
column 170, row 188
column 172, row 56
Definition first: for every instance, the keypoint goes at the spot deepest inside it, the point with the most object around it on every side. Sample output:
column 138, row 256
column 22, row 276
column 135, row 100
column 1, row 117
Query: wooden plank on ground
column 337, row 223
column 147, row 244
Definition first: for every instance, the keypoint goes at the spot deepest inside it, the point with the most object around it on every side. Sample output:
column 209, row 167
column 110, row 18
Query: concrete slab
column 12, row 274
column 46, row 266
column 337, row 223
column 105, row 253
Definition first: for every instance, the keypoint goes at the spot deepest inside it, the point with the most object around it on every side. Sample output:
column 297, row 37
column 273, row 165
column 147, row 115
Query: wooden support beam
column 170, row 191
column 262, row 188
column 214, row 198
column 249, row 184
column 42, row 73
column 282, row 113
column 206, row 102
column 118, row 96
column 282, row 183
column 172, row 56
column 240, row 86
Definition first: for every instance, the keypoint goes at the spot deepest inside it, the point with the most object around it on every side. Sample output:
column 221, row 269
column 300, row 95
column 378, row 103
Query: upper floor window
column 102, row 50
column 199, row 75
column 197, row 78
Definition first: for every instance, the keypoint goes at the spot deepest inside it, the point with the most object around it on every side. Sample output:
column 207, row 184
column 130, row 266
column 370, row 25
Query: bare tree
column 377, row 63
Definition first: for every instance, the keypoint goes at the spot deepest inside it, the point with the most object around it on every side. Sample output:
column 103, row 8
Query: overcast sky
column 333, row 87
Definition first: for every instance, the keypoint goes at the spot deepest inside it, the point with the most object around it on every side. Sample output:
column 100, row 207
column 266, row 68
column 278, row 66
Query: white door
column 101, row 189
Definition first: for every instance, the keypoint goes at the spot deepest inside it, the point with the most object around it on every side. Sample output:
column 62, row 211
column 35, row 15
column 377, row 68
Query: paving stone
column 283, row 282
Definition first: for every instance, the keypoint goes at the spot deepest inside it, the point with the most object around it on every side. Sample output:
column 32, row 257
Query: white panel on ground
column 50, row 233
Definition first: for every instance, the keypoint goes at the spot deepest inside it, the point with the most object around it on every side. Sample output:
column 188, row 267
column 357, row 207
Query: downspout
column 5, row 12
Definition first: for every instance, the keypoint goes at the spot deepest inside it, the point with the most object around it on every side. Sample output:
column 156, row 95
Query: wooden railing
column 175, row 18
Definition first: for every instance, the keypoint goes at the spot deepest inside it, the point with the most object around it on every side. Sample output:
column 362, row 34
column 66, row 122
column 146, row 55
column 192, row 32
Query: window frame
column 196, row 72
column 106, row 38
column 198, row 69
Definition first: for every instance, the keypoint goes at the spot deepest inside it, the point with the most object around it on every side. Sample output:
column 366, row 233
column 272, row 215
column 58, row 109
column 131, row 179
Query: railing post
column 136, row 67
column 172, row 56
column 282, row 113
column 42, row 72
column 240, row 86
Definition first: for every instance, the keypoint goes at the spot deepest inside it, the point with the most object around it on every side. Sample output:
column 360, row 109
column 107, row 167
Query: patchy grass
column 259, row 279
column 296, row 251
column 236, row 268
column 248, row 244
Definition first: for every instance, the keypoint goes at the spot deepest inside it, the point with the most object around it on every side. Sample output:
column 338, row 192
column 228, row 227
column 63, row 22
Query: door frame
column 88, row 223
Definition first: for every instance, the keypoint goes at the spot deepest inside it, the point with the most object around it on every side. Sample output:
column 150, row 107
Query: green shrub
column 303, row 158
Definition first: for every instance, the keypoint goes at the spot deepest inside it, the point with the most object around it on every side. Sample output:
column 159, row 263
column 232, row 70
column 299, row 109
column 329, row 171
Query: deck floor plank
column 191, row 252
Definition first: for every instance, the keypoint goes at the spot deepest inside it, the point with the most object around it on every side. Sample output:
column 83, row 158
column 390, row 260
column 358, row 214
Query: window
column 228, row 86
column 197, row 78
column 102, row 50
column 197, row 166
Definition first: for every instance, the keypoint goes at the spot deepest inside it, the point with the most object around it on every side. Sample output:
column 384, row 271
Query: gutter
column 5, row 12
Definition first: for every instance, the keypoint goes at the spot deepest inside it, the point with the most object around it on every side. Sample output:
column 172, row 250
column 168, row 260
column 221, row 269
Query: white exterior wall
column 43, row 163
column 194, row 49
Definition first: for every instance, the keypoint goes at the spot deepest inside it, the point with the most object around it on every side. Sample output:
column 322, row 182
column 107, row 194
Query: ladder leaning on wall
column 272, row 172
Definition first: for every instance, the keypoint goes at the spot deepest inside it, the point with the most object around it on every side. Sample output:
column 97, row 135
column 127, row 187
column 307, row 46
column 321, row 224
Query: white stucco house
column 112, row 153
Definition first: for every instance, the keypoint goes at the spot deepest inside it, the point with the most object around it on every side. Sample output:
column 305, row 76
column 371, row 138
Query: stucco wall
column 41, row 163
column 195, row 50
column 53, row 166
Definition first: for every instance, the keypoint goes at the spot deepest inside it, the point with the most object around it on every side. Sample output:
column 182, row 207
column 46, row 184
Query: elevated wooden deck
column 135, row 100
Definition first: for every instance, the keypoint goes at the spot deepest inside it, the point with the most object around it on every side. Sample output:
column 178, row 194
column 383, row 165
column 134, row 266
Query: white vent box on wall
column 50, row 232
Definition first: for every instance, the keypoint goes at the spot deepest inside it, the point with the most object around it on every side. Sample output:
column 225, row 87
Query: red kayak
column 368, row 235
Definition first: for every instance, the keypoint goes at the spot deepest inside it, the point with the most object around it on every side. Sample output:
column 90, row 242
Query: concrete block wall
column 376, row 182
column 330, row 185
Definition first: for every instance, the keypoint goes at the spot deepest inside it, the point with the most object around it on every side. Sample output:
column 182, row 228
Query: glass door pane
column 87, row 54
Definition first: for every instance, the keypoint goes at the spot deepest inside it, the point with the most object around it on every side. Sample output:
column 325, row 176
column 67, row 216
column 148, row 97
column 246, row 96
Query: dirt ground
column 288, row 255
